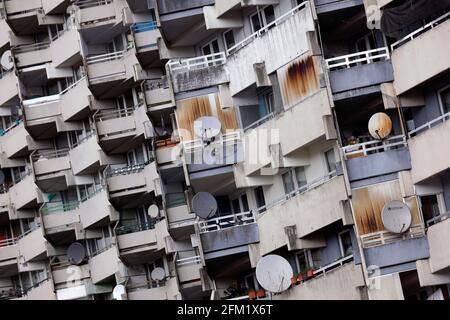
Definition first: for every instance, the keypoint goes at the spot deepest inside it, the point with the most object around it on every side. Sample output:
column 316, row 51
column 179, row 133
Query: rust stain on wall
column 298, row 80
column 189, row 110
column 369, row 202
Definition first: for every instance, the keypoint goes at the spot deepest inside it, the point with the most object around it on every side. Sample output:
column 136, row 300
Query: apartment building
column 101, row 159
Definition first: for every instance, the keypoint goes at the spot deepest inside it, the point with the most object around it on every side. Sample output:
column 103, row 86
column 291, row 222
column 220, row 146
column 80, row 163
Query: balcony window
column 430, row 206
column 330, row 160
column 259, row 196
column 288, row 182
column 228, row 37
column 262, row 18
column 444, row 99
column 345, row 243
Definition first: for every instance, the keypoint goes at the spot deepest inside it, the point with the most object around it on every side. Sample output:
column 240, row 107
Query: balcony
column 88, row 157
column 157, row 96
column 9, row 252
column 133, row 183
column 32, row 245
column 360, row 71
column 427, row 149
column 277, row 44
column 9, row 85
column 327, row 195
column 59, row 220
column 167, row 290
column 64, row 274
column 188, row 267
column 375, row 158
column 199, row 72
column 142, row 243
column 325, row 6
column 55, row 6
column 29, row 55
column 17, row 142
column 25, row 194
column 428, row 278
column 4, row 34
column 43, row 290
column 104, row 265
column 168, row 151
column 52, row 169
column 84, row 290
column 65, row 50
column 121, row 130
column 179, row 217
column 113, row 73
column 341, row 280
column 146, row 35
column 228, row 232
column 101, row 16
column 411, row 55
column 438, row 236
column 95, row 210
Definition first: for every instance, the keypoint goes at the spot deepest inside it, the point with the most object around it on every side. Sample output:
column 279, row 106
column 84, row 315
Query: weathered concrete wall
column 230, row 237
column 439, row 239
column 169, row 6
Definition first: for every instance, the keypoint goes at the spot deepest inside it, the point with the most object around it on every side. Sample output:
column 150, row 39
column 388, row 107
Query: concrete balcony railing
column 168, row 151
column 101, row 13
column 67, row 274
column 327, row 195
column 55, row 6
column 104, row 264
column 188, row 269
column 228, row 231
column 426, row 148
column 166, row 290
column 59, row 222
column 96, row 210
column 146, row 35
column 223, row 7
column 9, row 85
column 179, row 217
column 376, row 157
column 65, row 50
column 17, row 142
column 4, row 35
column 32, row 54
column 88, row 157
column 26, row 194
column 9, row 252
column 438, row 236
column 157, row 95
column 360, row 70
column 43, row 290
column 141, row 243
column 198, row 72
column 32, row 245
column 411, row 54
column 121, row 130
column 341, row 280
column 52, row 169
column 133, row 181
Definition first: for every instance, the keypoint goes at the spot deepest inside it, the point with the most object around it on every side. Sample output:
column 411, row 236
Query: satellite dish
column 274, row 273
column 7, row 61
column 396, row 216
column 119, row 292
column 207, row 128
column 204, row 205
column 2, row 177
column 210, row 154
column 380, row 125
column 153, row 211
column 76, row 253
column 158, row 274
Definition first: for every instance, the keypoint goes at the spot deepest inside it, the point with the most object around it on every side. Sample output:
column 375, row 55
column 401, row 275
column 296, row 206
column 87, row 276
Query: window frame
column 441, row 103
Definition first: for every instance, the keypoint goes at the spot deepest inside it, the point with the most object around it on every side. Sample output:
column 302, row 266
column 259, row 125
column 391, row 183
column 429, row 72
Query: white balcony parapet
column 188, row 261
column 201, row 62
column 429, row 125
column 303, row 189
column 105, row 57
column 339, row 263
column 262, row 31
column 413, row 35
column 228, row 138
column 438, row 219
column 385, row 237
column 232, row 220
column 353, row 59
column 374, row 146
column 47, row 155
column 84, row 4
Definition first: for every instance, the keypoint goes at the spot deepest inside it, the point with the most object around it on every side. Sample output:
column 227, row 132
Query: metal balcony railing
column 105, row 57
column 144, row 26
column 201, row 62
column 14, row 240
column 334, row 265
column 24, row 48
column 374, row 146
column 227, row 139
column 84, row 4
column 438, row 219
column 105, row 115
column 89, row 135
column 176, row 199
column 144, row 285
column 12, row 126
column 413, row 35
column 55, row 207
column 385, row 237
column 259, row 122
column 188, row 261
column 224, row 222
column 137, row 227
column 262, row 31
column 431, row 124
column 353, row 59
column 135, row 168
column 47, row 155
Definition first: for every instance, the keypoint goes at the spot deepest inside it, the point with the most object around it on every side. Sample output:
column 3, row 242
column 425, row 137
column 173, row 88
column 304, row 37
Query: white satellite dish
column 7, row 61
column 204, row 205
column 153, row 211
column 396, row 216
column 380, row 126
column 207, row 128
column 210, row 155
column 158, row 274
column 274, row 273
column 119, row 292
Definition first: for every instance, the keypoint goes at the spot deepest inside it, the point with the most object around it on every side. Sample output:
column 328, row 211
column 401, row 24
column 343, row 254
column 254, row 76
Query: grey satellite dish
column 76, row 253
column 204, row 205
column 207, row 128
column 274, row 273
column 7, row 61
column 158, row 274
column 119, row 292
column 210, row 155
column 396, row 216
column 2, row 177
column 153, row 211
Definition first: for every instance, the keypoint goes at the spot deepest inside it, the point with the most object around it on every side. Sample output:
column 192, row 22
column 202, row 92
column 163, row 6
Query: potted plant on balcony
column 261, row 293
column 300, row 278
column 294, row 280
column 251, row 294
column 310, row 273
